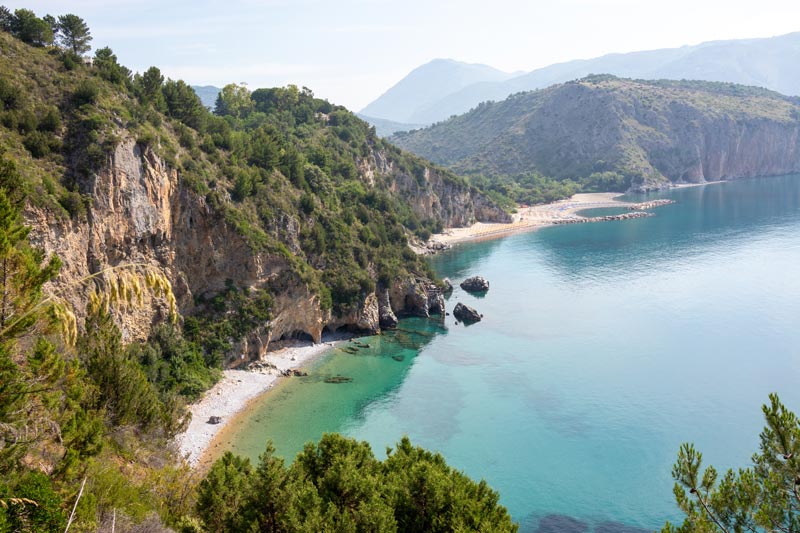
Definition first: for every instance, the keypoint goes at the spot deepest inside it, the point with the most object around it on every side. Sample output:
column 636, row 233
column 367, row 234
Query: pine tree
column 765, row 497
column 74, row 34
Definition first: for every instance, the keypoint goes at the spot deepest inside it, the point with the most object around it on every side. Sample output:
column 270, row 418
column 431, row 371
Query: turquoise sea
column 603, row 347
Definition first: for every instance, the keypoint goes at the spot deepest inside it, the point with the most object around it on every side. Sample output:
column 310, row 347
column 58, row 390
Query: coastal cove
column 601, row 350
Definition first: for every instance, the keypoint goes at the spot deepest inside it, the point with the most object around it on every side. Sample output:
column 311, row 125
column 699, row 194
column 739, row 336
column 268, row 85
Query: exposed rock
column 293, row 372
column 436, row 195
column 214, row 420
column 448, row 286
column 386, row 317
column 409, row 297
column 435, row 300
column 475, row 284
column 142, row 214
column 466, row 314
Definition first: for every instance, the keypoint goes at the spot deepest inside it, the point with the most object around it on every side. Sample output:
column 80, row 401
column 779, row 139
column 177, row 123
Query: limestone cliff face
column 432, row 195
column 142, row 214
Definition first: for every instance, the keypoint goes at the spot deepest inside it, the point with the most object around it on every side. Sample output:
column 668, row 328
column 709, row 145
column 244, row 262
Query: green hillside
column 87, row 409
column 603, row 132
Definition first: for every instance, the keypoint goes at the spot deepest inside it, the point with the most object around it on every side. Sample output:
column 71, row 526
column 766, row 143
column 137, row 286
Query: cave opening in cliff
column 298, row 335
column 328, row 330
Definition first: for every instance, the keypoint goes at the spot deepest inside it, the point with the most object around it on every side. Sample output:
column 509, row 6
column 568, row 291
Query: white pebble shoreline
column 233, row 392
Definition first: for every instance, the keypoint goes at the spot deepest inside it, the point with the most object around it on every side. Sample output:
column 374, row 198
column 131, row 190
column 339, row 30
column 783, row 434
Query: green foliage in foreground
column 764, row 497
column 339, row 485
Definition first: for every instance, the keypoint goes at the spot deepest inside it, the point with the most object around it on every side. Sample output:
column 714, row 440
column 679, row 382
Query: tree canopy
column 337, row 484
column 762, row 498
column 73, row 33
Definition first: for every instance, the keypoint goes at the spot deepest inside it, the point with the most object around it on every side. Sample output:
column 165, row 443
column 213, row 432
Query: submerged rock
column 466, row 314
column 475, row 284
column 338, row 379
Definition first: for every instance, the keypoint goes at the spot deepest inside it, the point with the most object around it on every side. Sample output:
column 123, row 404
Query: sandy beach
column 532, row 217
column 236, row 389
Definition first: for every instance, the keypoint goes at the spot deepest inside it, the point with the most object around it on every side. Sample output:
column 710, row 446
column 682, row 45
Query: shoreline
column 533, row 217
column 237, row 389
column 528, row 219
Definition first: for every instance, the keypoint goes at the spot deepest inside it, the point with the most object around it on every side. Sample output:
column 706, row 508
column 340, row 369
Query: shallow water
column 603, row 347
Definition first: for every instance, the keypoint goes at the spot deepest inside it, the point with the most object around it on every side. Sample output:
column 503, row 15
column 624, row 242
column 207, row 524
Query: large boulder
column 466, row 314
column 475, row 284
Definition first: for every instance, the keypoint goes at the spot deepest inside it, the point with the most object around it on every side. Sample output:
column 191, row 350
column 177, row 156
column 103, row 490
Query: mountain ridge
column 427, row 84
column 638, row 134
column 771, row 62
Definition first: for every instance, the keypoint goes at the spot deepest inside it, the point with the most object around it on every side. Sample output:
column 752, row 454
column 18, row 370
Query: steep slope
column 773, row 63
column 621, row 132
column 427, row 84
column 293, row 206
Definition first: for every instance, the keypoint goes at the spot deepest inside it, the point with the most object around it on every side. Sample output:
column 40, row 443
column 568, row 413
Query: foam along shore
column 236, row 389
column 531, row 217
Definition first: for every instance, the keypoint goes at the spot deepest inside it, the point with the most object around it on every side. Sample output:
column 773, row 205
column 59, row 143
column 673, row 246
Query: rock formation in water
column 466, row 314
column 475, row 284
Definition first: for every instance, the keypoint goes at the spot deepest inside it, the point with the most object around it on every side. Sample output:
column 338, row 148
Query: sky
column 352, row 51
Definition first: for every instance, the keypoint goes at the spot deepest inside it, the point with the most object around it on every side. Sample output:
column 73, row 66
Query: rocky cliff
column 640, row 134
column 143, row 215
column 283, row 216
column 433, row 194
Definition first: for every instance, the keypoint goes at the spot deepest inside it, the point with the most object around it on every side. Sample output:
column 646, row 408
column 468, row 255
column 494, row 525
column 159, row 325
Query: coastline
column 529, row 218
column 238, row 388
column 533, row 217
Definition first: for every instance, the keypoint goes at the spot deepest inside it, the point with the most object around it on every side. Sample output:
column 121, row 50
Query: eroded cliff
column 142, row 214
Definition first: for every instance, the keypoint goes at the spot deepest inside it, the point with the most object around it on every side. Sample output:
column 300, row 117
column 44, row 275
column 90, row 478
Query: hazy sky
column 351, row 51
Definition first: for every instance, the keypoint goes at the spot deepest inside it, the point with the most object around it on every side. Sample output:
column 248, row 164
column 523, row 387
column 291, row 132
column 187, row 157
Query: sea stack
column 466, row 314
column 475, row 284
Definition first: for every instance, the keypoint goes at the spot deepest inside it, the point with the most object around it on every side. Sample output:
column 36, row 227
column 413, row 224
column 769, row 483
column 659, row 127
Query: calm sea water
column 603, row 347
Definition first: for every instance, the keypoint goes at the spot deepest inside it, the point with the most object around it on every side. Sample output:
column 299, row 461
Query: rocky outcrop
column 436, row 304
column 416, row 297
column 435, row 194
column 386, row 316
column 475, row 284
column 365, row 318
column 466, row 314
column 448, row 286
column 143, row 215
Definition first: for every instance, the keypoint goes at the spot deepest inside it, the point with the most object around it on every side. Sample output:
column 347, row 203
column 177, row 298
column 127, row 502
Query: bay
column 604, row 347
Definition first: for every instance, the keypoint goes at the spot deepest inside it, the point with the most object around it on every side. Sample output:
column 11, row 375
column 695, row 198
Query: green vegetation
column 764, row 497
column 72, row 410
column 87, row 418
column 605, row 133
column 338, row 485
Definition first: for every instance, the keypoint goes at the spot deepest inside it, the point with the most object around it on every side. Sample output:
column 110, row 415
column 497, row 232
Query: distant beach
column 531, row 217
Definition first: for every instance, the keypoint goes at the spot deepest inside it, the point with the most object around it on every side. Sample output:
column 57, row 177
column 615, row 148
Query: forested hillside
column 145, row 242
column 607, row 133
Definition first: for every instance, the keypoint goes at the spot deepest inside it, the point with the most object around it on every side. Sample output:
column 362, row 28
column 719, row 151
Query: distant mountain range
column 208, row 94
column 385, row 127
column 604, row 132
column 409, row 101
column 428, row 94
